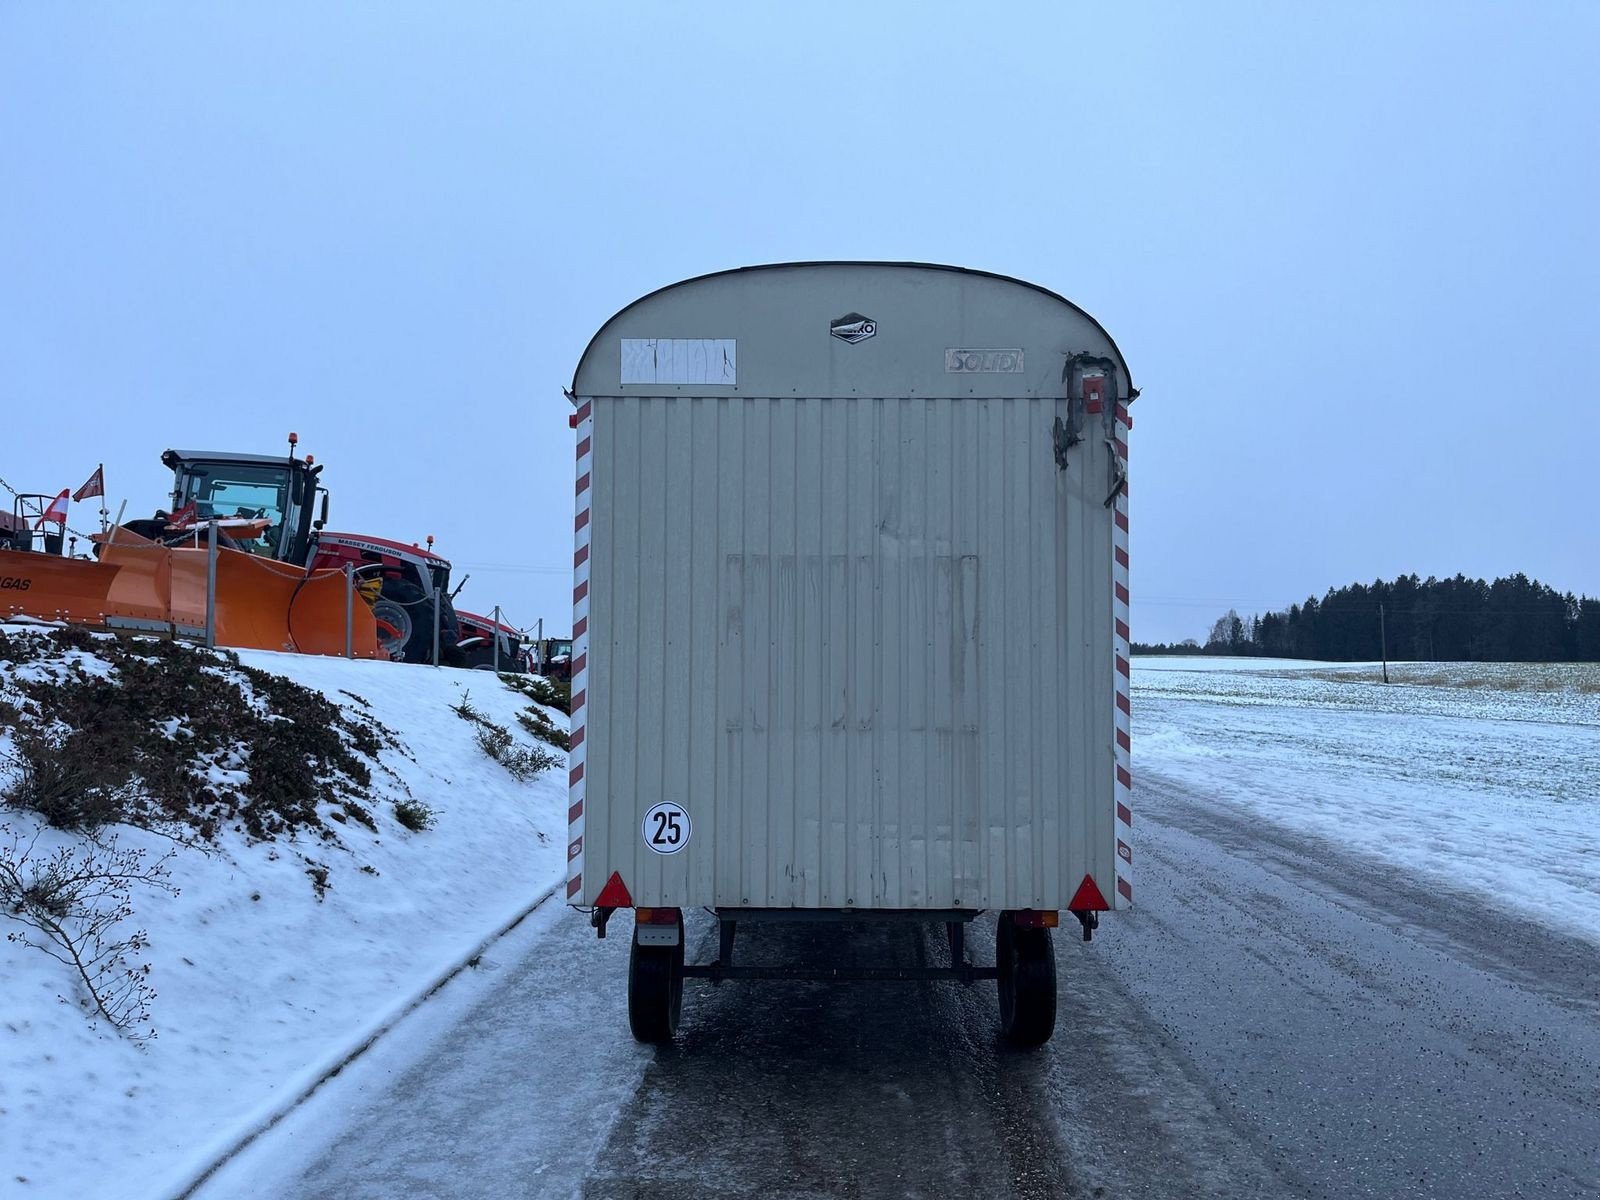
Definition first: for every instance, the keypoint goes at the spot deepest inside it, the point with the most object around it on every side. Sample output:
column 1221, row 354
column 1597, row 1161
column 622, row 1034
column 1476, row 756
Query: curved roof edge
column 1133, row 392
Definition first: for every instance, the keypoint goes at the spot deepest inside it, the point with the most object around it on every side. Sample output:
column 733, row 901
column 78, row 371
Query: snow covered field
column 261, row 985
column 1484, row 776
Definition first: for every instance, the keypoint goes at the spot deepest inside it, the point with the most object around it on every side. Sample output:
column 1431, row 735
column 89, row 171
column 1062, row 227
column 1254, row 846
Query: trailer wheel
column 1027, row 980
column 655, row 989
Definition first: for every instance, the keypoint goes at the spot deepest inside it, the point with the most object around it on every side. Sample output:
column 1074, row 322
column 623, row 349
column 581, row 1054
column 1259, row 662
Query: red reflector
column 614, row 894
column 656, row 916
column 572, row 421
column 1088, row 898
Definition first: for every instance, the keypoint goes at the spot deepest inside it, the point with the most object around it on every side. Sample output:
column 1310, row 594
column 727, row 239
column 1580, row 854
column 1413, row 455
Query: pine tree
column 1513, row 619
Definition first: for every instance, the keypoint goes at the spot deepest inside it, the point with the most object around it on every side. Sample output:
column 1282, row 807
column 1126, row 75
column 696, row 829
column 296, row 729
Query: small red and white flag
column 56, row 514
column 187, row 515
column 94, row 486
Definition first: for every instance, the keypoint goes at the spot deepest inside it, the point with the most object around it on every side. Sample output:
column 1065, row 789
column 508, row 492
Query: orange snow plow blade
column 53, row 588
column 139, row 586
column 267, row 605
column 141, row 594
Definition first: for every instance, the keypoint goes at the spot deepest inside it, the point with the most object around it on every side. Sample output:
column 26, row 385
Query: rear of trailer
column 850, row 620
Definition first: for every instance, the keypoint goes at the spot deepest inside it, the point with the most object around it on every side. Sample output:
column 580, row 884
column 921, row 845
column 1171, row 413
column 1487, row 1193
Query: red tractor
column 478, row 637
column 553, row 658
column 411, row 581
column 405, row 584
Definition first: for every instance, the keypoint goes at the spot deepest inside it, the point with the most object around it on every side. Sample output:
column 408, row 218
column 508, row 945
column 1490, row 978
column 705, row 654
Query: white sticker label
column 983, row 362
column 681, row 360
column 666, row 828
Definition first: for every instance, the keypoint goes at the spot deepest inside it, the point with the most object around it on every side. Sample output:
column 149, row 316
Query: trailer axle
column 963, row 973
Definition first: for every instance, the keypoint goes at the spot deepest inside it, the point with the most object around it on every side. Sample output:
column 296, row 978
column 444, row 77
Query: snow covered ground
column 1482, row 776
column 261, row 985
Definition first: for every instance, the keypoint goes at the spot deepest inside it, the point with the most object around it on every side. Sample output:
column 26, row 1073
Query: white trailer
column 850, row 619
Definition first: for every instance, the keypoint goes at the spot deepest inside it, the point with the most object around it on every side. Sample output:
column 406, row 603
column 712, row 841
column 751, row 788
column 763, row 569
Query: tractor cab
column 554, row 658
column 281, row 490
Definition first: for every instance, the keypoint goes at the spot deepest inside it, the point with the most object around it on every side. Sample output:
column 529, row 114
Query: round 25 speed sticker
column 666, row 828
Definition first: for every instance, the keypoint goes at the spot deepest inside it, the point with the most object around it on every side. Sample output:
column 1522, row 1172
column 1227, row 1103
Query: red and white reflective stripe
column 576, row 787
column 1122, row 652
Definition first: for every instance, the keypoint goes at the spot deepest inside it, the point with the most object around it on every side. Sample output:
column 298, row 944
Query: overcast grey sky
column 1350, row 251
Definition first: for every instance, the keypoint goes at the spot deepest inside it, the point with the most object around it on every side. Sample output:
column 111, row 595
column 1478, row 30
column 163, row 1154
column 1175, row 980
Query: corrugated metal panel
column 863, row 640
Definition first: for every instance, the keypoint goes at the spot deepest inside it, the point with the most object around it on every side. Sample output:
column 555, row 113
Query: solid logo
column 16, row 582
column 961, row 361
column 853, row 327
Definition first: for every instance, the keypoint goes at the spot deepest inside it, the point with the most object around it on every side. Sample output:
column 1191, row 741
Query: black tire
column 397, row 617
column 450, row 654
column 419, row 638
column 481, row 658
column 655, row 989
column 1027, row 983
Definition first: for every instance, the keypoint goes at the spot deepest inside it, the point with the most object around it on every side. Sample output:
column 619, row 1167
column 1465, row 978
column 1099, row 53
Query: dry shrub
column 496, row 741
column 72, row 904
column 145, row 743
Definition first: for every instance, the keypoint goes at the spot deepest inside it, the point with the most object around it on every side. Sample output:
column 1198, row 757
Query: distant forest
column 1423, row 620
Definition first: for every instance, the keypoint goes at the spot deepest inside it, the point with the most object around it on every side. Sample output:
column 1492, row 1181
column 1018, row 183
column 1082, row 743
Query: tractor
column 278, row 509
column 478, row 636
column 553, row 657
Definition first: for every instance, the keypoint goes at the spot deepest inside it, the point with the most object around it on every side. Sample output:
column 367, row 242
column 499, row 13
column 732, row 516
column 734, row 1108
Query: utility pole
column 1383, row 638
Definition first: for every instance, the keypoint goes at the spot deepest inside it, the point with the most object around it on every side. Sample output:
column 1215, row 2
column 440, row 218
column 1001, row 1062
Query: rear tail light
column 1032, row 918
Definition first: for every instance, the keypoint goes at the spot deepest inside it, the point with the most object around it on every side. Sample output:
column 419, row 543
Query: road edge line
column 364, row 1043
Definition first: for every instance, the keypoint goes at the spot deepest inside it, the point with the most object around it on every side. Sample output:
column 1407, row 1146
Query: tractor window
column 242, row 491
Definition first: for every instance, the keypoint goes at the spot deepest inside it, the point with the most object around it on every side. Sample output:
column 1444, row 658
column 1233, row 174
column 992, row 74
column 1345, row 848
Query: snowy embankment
column 1484, row 777
column 276, row 957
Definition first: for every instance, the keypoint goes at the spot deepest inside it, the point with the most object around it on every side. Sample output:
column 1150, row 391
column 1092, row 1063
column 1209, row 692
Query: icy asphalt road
column 1274, row 1020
